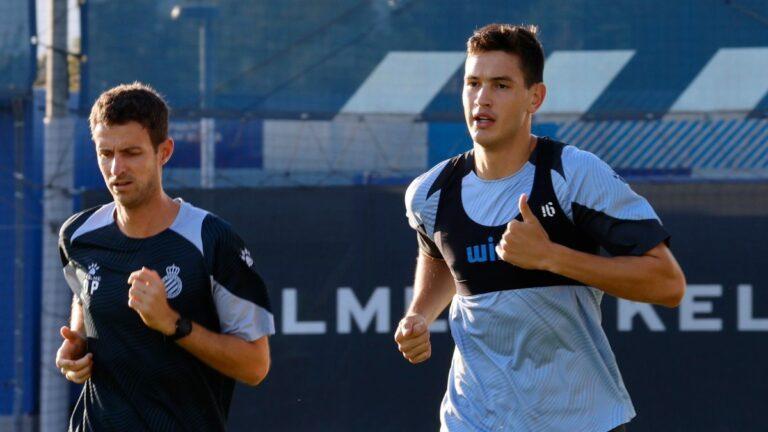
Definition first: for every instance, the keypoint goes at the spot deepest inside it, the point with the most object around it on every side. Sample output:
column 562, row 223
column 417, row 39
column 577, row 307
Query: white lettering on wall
column 627, row 310
column 348, row 308
column 437, row 326
column 375, row 313
column 291, row 323
column 747, row 321
column 690, row 307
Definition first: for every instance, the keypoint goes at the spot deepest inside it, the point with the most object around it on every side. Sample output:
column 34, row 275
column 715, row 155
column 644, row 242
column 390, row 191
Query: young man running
column 509, row 235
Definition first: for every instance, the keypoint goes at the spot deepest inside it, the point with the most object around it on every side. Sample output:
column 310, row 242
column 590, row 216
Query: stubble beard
column 139, row 197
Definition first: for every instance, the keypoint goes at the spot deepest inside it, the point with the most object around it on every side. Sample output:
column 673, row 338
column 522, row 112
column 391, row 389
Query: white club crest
column 245, row 255
column 172, row 281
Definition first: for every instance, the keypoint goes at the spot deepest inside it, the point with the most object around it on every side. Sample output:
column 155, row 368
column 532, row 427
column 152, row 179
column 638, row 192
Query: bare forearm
column 652, row 278
column 433, row 288
column 76, row 322
column 232, row 356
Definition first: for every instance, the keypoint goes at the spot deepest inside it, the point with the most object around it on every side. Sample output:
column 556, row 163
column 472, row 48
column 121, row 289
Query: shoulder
column 422, row 193
column 216, row 227
column 86, row 220
column 204, row 229
column 226, row 252
column 74, row 222
column 578, row 164
column 592, row 184
column 421, row 184
column 426, row 185
column 218, row 234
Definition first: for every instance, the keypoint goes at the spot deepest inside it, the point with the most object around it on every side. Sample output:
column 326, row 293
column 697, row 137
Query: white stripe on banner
column 575, row 79
column 735, row 79
column 404, row 82
column 737, row 144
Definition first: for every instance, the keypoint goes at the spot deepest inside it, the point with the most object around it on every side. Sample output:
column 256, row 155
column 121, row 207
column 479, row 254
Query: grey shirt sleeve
column 604, row 206
column 239, row 293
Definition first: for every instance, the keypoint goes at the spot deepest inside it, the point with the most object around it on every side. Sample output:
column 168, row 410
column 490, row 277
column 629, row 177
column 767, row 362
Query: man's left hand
column 147, row 297
column 525, row 244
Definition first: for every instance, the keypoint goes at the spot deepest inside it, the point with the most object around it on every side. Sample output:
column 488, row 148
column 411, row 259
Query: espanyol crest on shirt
column 172, row 281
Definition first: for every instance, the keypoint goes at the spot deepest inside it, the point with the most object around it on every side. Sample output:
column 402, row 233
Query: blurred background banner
column 317, row 92
column 302, row 121
column 280, row 60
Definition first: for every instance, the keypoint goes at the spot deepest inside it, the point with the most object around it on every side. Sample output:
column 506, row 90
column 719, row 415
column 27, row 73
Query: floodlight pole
column 207, row 124
column 204, row 14
column 58, row 166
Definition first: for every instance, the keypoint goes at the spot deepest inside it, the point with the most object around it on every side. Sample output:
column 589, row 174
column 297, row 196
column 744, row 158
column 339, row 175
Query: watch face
column 183, row 328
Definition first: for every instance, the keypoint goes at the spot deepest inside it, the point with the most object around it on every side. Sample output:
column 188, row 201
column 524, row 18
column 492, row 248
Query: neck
column 506, row 159
column 148, row 219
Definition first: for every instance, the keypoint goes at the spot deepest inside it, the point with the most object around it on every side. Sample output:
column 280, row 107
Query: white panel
column 296, row 145
column 404, row 82
column 735, row 79
column 349, row 143
column 575, row 79
column 381, row 143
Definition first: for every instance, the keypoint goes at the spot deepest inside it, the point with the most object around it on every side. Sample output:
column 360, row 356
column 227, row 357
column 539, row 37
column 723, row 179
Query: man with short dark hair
column 168, row 310
column 509, row 235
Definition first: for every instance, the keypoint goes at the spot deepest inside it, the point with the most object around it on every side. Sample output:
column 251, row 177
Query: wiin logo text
column 482, row 253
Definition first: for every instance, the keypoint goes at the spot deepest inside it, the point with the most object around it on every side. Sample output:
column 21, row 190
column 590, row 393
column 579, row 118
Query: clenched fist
column 412, row 337
column 147, row 297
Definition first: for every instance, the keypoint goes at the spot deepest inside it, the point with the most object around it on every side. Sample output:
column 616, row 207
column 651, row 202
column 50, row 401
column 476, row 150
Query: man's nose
column 117, row 166
column 483, row 96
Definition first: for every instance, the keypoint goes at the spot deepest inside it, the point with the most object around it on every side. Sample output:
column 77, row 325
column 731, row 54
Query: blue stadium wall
column 30, row 224
column 19, row 230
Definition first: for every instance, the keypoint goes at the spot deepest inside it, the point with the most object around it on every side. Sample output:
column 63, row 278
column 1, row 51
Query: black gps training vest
column 468, row 247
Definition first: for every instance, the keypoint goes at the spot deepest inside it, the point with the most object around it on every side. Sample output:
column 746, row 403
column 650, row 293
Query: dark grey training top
column 140, row 380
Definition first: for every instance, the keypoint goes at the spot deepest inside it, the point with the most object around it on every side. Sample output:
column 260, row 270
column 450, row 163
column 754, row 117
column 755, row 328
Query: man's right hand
column 412, row 337
column 72, row 359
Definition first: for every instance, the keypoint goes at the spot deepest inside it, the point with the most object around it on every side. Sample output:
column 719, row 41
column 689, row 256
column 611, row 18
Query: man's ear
column 165, row 150
column 539, row 92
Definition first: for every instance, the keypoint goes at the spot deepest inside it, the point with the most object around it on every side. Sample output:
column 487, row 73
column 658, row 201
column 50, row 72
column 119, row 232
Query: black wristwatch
column 183, row 328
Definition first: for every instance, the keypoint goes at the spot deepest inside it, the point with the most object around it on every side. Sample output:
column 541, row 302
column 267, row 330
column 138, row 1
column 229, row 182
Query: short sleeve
column 427, row 246
column 68, row 268
column 240, row 295
column 421, row 210
column 70, row 274
column 605, row 207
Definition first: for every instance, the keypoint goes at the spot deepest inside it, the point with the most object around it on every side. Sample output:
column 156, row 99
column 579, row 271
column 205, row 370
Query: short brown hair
column 133, row 102
column 514, row 39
